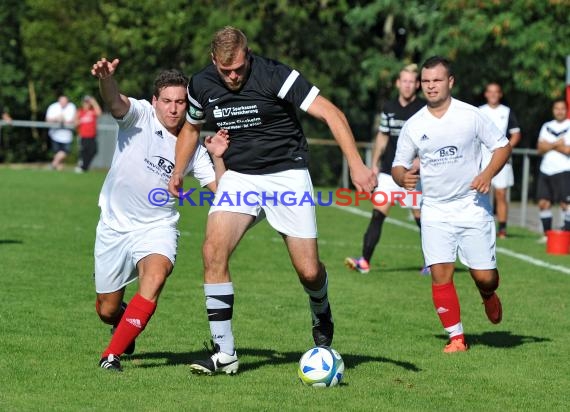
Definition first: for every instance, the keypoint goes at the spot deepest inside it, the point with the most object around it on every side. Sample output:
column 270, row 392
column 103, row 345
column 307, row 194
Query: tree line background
column 352, row 50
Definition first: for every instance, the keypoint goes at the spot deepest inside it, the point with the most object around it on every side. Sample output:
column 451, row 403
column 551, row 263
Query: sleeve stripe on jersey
column 515, row 130
column 193, row 101
column 313, row 93
column 288, row 83
column 194, row 121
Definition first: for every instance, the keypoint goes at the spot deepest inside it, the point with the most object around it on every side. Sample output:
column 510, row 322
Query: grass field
column 387, row 330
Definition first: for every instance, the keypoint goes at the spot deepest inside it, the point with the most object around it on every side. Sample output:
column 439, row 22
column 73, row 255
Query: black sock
column 372, row 235
column 546, row 219
column 502, row 226
column 418, row 222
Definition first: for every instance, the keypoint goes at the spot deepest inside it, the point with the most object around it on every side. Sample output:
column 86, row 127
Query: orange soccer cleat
column 456, row 345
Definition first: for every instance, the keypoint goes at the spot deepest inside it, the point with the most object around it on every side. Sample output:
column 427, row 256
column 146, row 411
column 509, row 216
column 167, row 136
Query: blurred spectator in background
column 5, row 115
column 86, row 122
column 62, row 112
column 554, row 177
column 506, row 122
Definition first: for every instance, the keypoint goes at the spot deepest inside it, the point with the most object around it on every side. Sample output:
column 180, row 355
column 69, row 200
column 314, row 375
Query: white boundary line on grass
column 504, row 251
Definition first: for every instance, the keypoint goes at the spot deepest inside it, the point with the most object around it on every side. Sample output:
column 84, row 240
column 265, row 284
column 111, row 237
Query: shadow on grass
column 415, row 269
column 10, row 242
column 499, row 339
column 267, row 358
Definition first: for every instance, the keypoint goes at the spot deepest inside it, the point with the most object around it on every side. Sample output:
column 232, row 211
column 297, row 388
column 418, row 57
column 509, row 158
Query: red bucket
column 558, row 242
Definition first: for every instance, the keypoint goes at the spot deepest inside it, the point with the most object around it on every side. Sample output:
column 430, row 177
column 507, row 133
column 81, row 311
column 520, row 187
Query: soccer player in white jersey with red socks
column 137, row 235
column 456, row 214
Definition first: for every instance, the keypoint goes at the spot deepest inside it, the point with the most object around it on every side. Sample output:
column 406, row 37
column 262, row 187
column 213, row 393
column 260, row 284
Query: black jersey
column 392, row 119
column 266, row 136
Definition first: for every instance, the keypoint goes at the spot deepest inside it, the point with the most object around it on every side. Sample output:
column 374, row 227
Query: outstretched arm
column 104, row 71
column 362, row 177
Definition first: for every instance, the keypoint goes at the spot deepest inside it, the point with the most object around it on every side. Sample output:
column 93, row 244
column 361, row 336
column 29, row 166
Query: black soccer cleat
column 323, row 328
column 111, row 362
column 218, row 362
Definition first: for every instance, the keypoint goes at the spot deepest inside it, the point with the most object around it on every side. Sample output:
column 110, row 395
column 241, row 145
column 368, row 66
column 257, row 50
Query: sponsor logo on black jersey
column 235, row 111
column 165, row 164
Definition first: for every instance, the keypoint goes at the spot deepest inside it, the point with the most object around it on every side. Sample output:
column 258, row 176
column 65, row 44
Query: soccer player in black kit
column 394, row 115
column 255, row 100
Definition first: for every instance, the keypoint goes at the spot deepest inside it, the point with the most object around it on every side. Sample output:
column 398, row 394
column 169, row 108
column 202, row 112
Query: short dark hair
column 168, row 78
column 436, row 60
column 560, row 100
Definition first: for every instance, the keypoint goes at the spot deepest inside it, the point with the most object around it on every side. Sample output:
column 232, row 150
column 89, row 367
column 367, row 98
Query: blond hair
column 410, row 68
column 226, row 44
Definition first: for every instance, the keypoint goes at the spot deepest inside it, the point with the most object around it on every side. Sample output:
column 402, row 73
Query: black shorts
column 555, row 188
column 60, row 147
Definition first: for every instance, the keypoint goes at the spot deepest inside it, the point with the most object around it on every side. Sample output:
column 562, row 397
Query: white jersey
column 143, row 161
column 503, row 118
column 61, row 135
column 449, row 149
column 553, row 161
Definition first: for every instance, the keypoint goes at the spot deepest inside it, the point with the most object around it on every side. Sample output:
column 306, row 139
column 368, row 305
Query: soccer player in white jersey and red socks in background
column 456, row 213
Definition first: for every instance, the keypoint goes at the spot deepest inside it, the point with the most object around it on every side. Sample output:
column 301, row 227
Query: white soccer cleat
column 218, row 362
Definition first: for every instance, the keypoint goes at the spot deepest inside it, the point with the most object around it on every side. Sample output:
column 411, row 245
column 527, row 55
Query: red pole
column 568, row 84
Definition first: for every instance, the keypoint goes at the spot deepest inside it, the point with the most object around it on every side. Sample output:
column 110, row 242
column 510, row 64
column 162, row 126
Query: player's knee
column 489, row 284
column 543, row 204
column 108, row 312
column 213, row 256
column 311, row 274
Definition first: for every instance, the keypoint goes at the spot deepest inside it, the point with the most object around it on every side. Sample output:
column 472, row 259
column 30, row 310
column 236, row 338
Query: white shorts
column 396, row 195
column 117, row 253
column 282, row 196
column 475, row 242
column 504, row 178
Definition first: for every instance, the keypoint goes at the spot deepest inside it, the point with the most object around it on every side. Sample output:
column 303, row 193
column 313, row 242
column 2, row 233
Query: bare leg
column 109, row 308
column 312, row 274
column 487, row 282
column 58, row 160
column 502, row 210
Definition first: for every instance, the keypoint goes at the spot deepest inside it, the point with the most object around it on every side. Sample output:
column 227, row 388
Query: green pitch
column 387, row 330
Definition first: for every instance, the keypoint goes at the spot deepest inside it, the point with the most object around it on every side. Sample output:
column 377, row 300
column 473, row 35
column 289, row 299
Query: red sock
column 447, row 307
column 133, row 322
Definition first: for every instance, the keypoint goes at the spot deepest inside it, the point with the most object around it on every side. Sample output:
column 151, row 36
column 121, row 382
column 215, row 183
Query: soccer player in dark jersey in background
column 394, row 115
column 255, row 99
